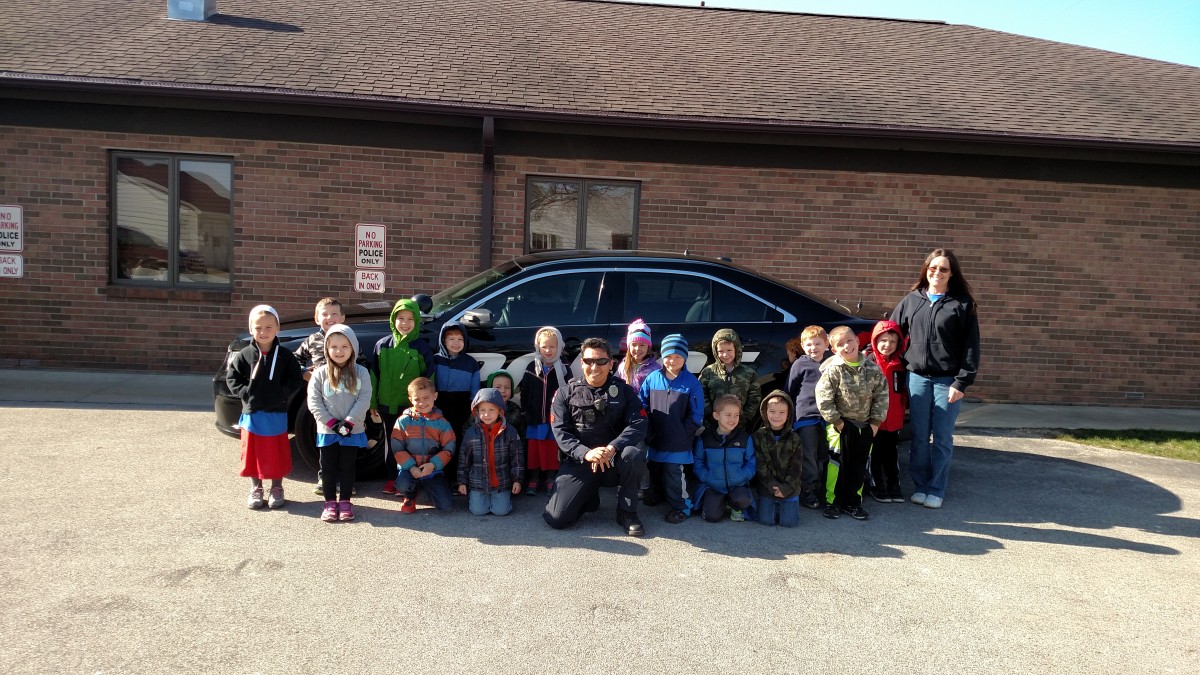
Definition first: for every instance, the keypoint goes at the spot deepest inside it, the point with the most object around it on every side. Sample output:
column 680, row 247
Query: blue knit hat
column 674, row 344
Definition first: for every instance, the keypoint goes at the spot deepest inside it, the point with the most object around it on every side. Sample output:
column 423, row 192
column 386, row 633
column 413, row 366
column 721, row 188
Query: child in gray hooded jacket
column 339, row 395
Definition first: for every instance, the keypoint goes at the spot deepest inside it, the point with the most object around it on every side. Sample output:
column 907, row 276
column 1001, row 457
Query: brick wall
column 1086, row 291
column 294, row 214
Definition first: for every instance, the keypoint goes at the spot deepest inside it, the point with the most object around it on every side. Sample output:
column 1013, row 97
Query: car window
column 458, row 292
column 553, row 300
column 683, row 298
column 662, row 298
column 731, row 305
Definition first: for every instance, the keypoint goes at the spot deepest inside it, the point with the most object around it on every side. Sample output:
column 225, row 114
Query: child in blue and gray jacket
column 674, row 401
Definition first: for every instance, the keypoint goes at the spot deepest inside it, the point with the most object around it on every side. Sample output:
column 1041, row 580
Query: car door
column 571, row 300
column 697, row 305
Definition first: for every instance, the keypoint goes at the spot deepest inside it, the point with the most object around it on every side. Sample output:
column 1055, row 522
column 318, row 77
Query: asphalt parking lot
column 129, row 549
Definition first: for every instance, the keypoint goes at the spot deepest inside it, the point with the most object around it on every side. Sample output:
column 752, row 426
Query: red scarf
column 490, row 433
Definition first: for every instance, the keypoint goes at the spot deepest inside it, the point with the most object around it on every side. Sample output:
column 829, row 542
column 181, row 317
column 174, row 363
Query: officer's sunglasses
column 602, row 361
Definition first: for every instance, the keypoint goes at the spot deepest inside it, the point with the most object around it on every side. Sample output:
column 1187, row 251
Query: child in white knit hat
column 264, row 376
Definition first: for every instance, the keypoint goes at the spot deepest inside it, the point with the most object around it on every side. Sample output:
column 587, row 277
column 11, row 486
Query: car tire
column 304, row 440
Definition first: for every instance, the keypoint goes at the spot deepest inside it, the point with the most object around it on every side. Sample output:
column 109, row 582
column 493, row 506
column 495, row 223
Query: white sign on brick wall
column 12, row 265
column 12, row 234
column 370, row 246
column 368, row 281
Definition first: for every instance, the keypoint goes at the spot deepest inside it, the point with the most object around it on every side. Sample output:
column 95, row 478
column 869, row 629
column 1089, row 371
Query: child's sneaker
column 896, row 495
column 810, row 500
column 531, row 489
column 881, row 495
column 345, row 511
column 856, row 512
column 550, row 488
column 676, row 517
column 389, row 488
column 330, row 513
column 319, row 488
column 255, row 499
column 831, row 512
column 276, row 499
column 737, row 516
column 408, row 505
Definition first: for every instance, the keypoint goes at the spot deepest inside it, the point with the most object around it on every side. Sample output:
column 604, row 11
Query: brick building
column 174, row 173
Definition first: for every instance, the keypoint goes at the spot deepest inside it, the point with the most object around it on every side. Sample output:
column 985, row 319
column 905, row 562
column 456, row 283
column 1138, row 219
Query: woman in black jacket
column 939, row 318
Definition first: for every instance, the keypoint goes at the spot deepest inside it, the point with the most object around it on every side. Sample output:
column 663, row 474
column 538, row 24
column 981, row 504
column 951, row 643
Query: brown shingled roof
column 576, row 57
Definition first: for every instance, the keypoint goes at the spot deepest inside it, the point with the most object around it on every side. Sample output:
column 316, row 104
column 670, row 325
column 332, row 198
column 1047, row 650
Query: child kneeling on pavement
column 725, row 463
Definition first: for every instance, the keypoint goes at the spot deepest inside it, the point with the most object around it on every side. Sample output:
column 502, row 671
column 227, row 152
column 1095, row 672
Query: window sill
column 168, row 293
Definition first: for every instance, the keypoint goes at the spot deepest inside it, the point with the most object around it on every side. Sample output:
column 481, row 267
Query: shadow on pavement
column 996, row 497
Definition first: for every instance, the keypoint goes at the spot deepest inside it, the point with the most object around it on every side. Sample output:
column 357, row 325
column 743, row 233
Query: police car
column 583, row 294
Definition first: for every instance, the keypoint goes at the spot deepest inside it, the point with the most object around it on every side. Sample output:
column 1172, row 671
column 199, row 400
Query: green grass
column 1173, row 444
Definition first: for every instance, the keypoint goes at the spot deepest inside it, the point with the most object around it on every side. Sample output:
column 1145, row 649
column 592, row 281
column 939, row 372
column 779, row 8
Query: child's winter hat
column 348, row 332
column 674, row 344
column 491, row 379
column 488, row 395
column 638, row 332
column 259, row 309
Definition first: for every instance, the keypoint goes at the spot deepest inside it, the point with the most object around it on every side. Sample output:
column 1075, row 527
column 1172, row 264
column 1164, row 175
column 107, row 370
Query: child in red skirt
column 264, row 376
column 542, row 378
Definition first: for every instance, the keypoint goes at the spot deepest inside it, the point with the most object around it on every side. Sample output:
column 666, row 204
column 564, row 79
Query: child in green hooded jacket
column 397, row 360
column 728, row 375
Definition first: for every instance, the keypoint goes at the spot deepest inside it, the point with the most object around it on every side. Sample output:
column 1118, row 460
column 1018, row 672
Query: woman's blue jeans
column 931, row 415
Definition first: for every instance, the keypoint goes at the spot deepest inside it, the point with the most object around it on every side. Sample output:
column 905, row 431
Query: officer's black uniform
column 586, row 417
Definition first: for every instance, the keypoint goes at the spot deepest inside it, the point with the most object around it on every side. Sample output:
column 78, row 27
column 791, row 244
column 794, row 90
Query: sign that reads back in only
column 370, row 246
column 12, row 265
column 11, row 230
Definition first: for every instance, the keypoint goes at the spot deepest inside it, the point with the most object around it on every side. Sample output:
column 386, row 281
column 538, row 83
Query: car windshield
column 460, row 291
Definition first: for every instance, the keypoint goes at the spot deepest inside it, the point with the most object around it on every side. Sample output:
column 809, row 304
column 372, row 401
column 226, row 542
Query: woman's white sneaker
column 933, row 502
column 918, row 498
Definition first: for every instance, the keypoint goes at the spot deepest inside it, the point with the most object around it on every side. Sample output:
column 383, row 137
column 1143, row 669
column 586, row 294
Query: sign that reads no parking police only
column 370, row 257
column 12, row 242
column 370, row 246
column 11, row 230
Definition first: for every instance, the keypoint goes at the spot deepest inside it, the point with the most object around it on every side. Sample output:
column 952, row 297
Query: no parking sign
column 370, row 257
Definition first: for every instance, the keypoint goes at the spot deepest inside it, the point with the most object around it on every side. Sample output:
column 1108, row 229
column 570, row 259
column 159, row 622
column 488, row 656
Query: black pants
column 577, row 488
column 849, row 456
column 671, row 481
column 712, row 503
column 816, row 456
column 338, row 466
column 389, row 423
column 885, row 464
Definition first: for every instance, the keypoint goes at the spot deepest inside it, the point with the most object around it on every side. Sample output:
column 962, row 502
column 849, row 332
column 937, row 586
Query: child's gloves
column 340, row 427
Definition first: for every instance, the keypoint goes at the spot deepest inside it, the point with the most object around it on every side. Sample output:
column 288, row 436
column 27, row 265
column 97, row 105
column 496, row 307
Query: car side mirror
column 477, row 318
column 424, row 302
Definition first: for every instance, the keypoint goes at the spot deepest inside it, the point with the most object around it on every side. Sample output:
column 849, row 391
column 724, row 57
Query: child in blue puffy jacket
column 725, row 463
column 674, row 402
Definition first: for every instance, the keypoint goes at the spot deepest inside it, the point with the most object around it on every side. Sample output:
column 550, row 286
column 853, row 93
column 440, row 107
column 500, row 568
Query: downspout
column 489, row 193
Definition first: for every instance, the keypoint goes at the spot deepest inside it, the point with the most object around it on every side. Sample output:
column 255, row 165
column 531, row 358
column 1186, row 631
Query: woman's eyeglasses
column 943, row 270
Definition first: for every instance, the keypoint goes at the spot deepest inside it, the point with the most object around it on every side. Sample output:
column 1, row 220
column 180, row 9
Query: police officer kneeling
column 598, row 422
